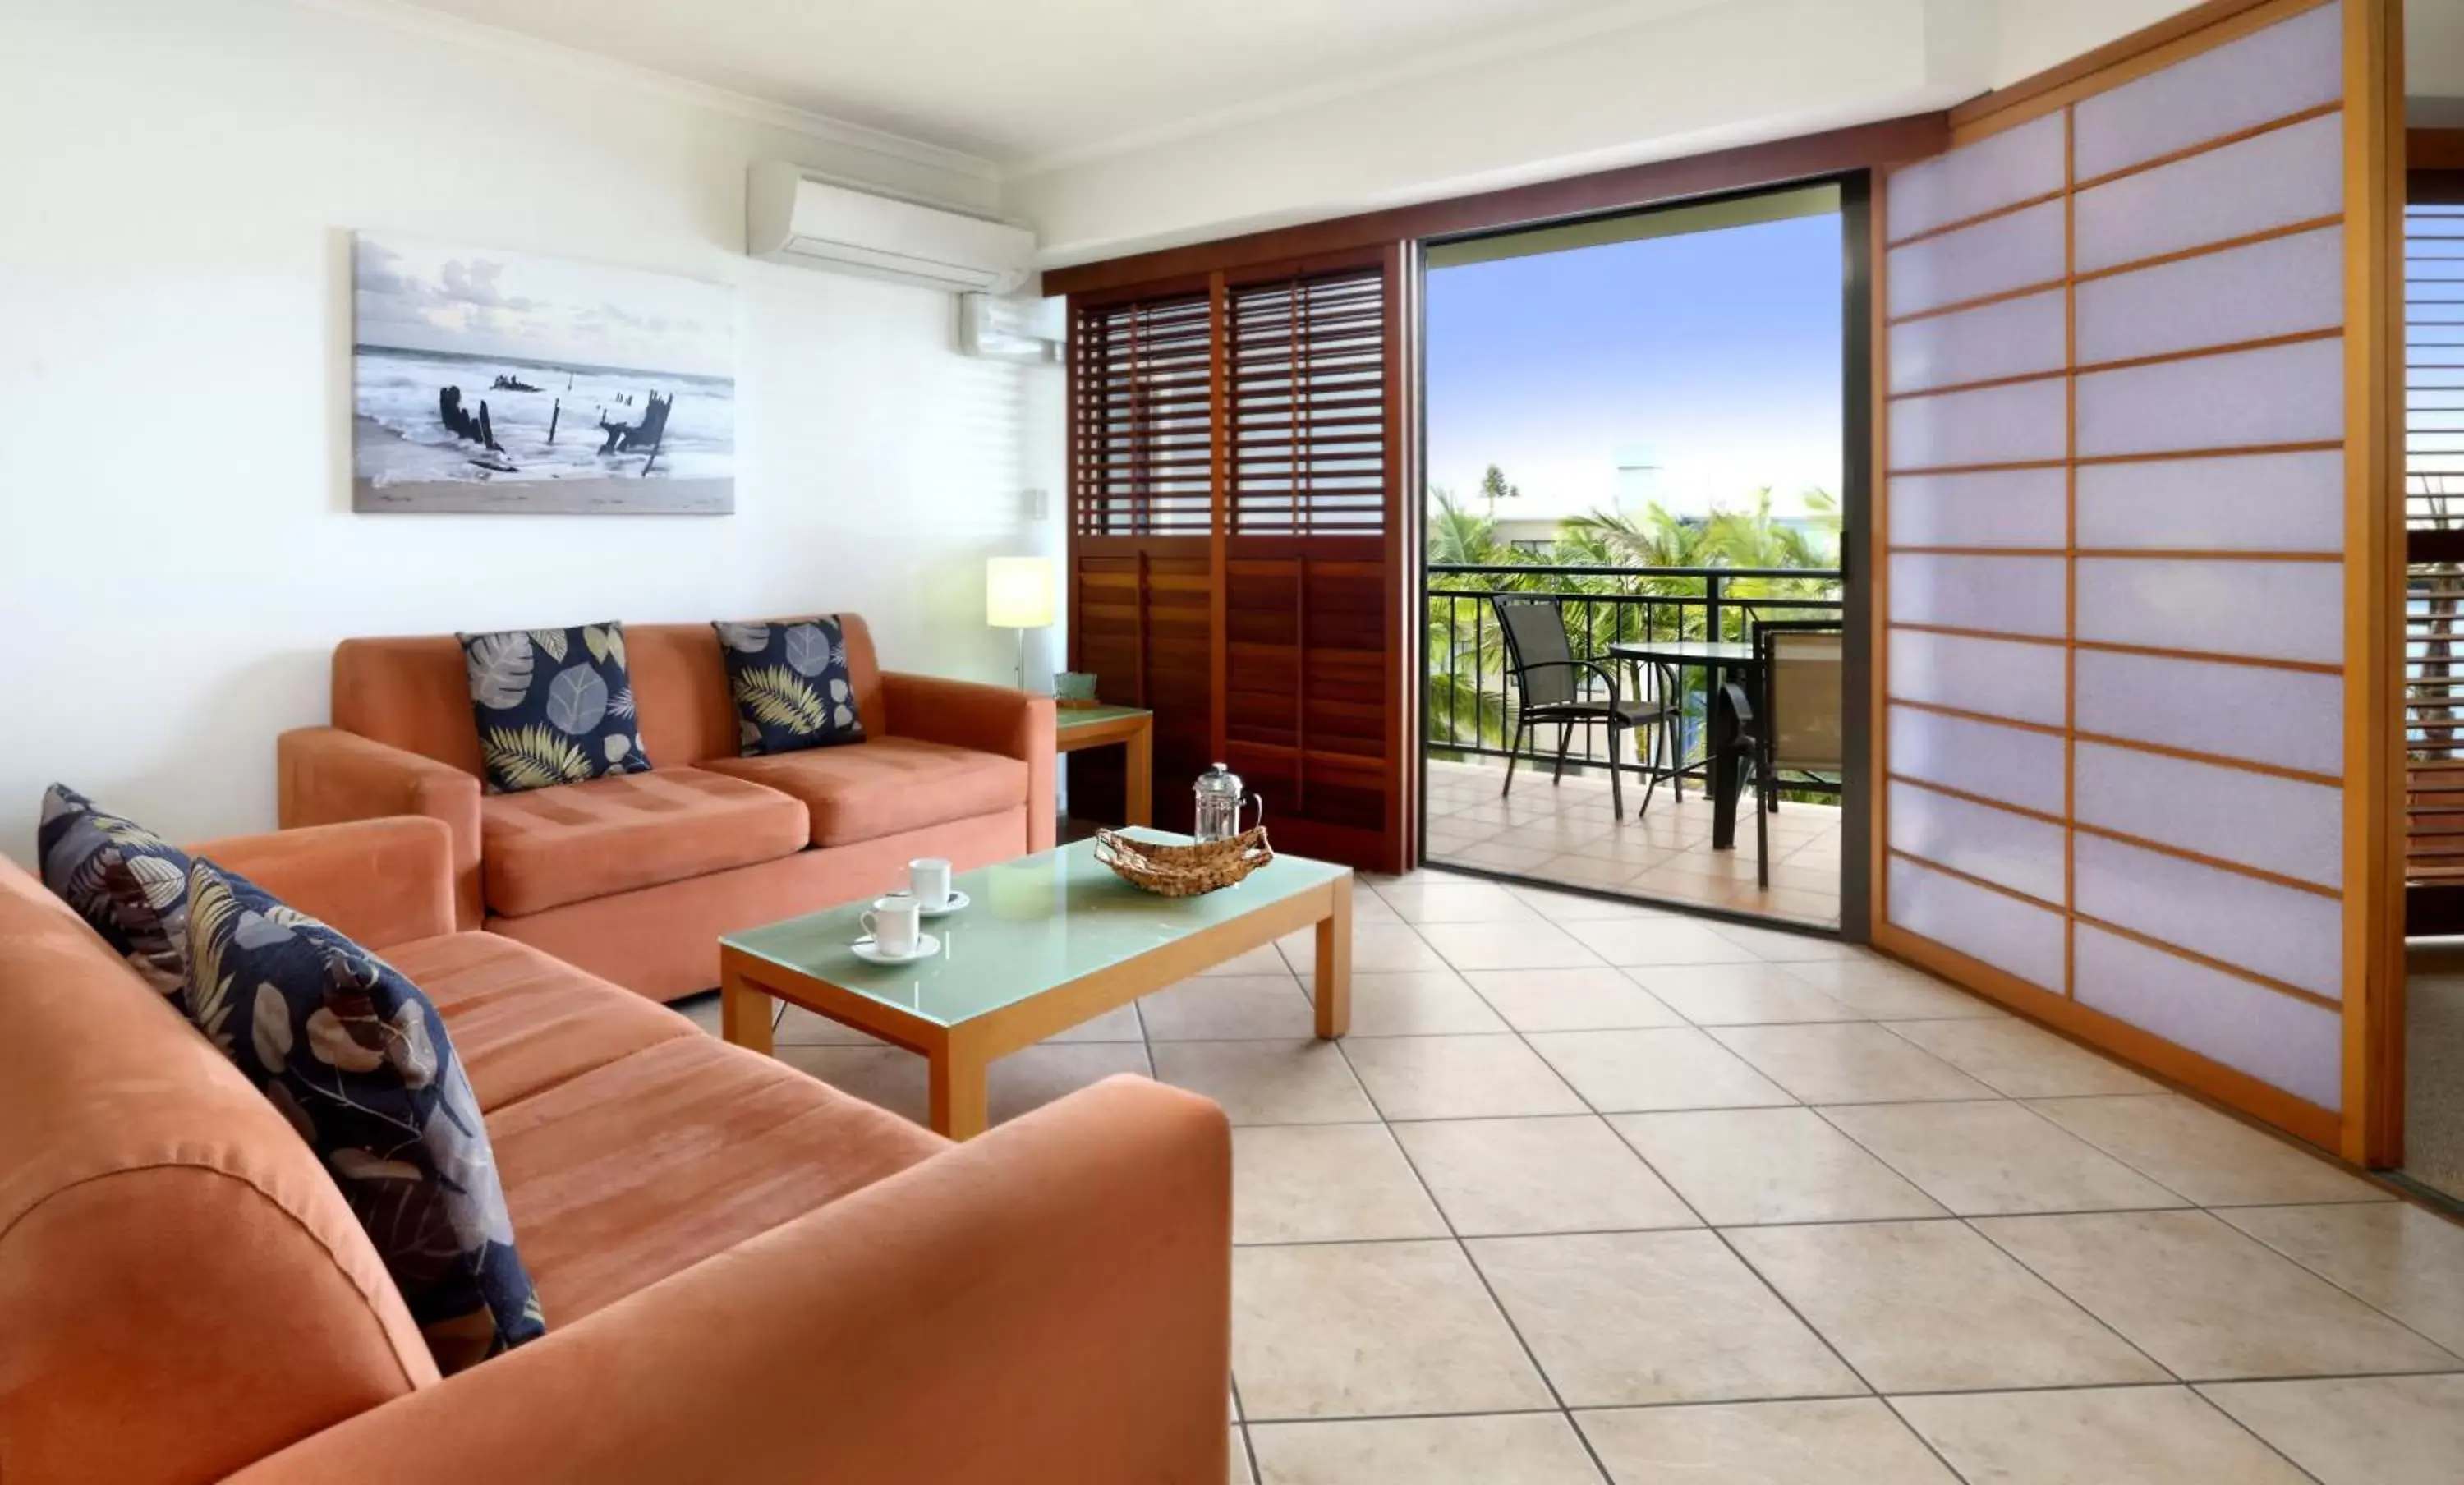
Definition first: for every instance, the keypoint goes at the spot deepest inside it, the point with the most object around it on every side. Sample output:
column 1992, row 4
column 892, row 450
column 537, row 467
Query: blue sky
column 1718, row 351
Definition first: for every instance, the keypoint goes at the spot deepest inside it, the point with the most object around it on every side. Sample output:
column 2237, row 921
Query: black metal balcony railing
column 1469, row 706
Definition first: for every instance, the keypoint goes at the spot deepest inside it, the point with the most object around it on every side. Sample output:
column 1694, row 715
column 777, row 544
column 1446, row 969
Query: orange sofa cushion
column 865, row 791
column 523, row 1022
column 545, row 848
column 624, row 1175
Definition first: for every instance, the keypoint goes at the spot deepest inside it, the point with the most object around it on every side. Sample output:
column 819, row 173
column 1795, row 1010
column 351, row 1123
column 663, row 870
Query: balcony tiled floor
column 1594, row 1193
column 1571, row 835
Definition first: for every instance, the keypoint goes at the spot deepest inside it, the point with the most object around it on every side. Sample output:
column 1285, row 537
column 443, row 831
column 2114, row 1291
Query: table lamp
column 1018, row 594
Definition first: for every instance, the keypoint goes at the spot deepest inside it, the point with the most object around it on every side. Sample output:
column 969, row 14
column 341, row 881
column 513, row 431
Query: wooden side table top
column 1092, row 726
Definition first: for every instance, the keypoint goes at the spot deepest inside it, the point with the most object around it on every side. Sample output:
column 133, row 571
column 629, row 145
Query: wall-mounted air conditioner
column 790, row 218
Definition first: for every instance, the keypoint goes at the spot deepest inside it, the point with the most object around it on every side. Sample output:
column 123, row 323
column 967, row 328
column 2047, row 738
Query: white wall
column 177, row 552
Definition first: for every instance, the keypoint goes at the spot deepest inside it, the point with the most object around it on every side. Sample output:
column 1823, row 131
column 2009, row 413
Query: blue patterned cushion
column 791, row 684
column 358, row 1060
column 124, row 879
column 555, row 706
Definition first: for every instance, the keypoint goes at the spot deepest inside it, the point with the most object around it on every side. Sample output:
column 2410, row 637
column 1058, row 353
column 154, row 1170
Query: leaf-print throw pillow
column 555, row 706
column 121, row 878
column 358, row 1060
column 791, row 684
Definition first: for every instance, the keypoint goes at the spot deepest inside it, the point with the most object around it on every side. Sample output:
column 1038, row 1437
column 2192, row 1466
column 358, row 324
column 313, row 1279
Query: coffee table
column 1049, row 941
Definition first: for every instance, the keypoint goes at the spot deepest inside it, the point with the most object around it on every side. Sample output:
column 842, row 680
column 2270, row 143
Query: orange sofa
column 748, row 1277
column 634, row 877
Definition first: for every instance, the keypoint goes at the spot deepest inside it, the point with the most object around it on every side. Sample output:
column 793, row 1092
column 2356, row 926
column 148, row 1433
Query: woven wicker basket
column 1183, row 871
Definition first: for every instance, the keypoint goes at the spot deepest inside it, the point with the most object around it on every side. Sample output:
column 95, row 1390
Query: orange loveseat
column 747, row 1275
column 634, row 877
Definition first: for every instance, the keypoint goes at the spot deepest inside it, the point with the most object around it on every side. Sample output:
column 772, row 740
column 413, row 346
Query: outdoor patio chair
column 1798, row 726
column 1550, row 681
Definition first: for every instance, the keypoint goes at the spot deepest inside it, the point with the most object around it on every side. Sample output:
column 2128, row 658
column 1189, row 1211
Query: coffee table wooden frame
column 960, row 1056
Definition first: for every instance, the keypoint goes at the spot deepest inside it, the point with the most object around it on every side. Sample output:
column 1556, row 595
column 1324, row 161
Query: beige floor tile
column 1597, row 998
column 1995, row 1158
column 897, row 1079
column 1845, row 1441
column 1932, row 1307
column 1229, row 1008
column 1888, row 991
column 2095, row 1436
column 1576, row 870
column 1263, row 960
column 1494, row 856
column 1497, row 1177
column 2374, row 1430
column 1654, row 1069
column 1238, row 1470
column 1629, row 1318
column 1458, row 1077
column 2209, row 1158
column 1366, row 1329
column 2208, row 1302
column 1425, row 1002
column 1757, row 1165
column 1739, row 994
column 1793, row 948
column 1568, row 907
column 1456, row 902
column 1376, row 948
column 702, row 1010
column 1120, row 1023
column 2022, row 1061
column 1847, row 1064
column 797, row 1027
column 1294, row 1083
column 2406, row 1261
column 1326, row 1183
column 1537, row 945
column 1666, row 941
column 1494, row 1449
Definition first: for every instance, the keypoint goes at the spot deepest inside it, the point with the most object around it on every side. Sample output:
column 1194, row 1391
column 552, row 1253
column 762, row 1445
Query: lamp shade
column 1018, row 593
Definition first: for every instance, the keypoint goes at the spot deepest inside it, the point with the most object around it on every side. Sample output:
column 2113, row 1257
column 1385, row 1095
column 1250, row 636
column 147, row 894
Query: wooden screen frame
column 2368, row 1129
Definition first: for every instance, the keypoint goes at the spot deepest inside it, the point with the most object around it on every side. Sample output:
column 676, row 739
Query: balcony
column 1565, row 831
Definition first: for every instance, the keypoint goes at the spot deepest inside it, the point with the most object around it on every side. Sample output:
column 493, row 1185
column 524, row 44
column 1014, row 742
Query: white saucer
column 926, row 946
column 958, row 900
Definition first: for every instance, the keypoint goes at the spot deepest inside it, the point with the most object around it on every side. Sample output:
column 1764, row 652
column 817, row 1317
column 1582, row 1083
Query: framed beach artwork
column 501, row 382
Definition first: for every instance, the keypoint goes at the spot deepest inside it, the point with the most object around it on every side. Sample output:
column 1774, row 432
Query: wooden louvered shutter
column 1311, row 568
column 1142, row 486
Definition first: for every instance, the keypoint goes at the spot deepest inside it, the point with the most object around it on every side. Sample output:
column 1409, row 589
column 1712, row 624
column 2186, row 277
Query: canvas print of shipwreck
column 490, row 382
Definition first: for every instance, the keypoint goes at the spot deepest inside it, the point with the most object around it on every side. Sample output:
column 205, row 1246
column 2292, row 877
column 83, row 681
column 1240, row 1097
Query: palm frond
column 534, row 757
column 778, row 696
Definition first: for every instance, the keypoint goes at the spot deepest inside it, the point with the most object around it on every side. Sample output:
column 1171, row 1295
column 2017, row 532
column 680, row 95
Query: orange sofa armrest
column 328, row 776
column 378, row 881
column 988, row 719
column 1050, row 1301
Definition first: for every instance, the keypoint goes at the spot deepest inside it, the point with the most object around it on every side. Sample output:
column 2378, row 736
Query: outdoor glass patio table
column 1718, row 658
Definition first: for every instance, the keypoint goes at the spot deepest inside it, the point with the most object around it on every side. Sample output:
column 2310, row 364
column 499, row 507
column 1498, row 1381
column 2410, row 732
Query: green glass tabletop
column 1032, row 925
column 1066, row 718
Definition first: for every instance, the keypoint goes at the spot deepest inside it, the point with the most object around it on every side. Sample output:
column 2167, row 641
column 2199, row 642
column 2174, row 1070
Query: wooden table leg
column 1331, row 985
column 958, row 1080
column 1137, row 786
column 744, row 1014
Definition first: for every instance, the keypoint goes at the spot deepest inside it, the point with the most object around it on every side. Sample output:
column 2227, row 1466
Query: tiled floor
column 1571, row 834
column 1595, row 1194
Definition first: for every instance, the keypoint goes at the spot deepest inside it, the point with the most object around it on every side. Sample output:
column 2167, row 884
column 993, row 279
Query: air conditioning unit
column 791, row 217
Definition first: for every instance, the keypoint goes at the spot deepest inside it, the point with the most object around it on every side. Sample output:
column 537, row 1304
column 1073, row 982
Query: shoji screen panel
column 2118, row 666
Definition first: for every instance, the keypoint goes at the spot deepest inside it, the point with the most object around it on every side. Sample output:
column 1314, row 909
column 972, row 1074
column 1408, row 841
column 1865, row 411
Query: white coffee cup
column 928, row 877
column 895, row 925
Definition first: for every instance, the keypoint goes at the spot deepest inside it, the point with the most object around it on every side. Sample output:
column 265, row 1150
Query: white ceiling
column 1028, row 83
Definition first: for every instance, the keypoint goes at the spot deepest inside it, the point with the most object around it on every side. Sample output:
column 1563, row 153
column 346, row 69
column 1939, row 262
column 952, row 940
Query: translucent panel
column 2282, row 394
column 2282, row 1041
column 2008, row 595
column 2248, row 503
column 2278, row 610
column 1990, row 258
column 2296, row 936
column 2284, row 69
column 2282, row 286
column 1991, row 425
column 2000, row 507
column 2293, row 174
column 2004, row 932
column 1999, row 677
column 2010, row 338
column 1998, row 763
column 1993, row 844
column 2252, row 819
column 2012, row 165
column 2291, row 719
